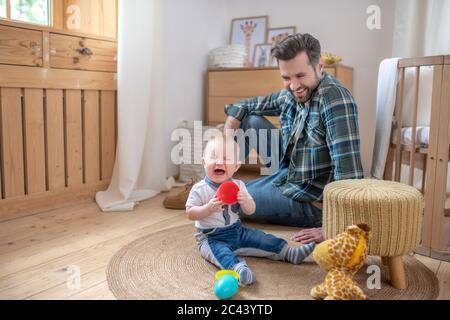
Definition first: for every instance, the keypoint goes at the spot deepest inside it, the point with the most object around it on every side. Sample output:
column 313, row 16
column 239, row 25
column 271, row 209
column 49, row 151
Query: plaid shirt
column 320, row 139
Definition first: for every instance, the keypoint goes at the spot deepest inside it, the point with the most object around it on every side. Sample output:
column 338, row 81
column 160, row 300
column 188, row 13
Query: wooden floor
column 39, row 252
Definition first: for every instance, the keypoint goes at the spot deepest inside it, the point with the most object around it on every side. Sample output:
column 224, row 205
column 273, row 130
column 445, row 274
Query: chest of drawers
column 225, row 86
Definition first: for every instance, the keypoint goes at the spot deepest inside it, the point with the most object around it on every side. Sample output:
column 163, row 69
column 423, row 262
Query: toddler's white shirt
column 201, row 193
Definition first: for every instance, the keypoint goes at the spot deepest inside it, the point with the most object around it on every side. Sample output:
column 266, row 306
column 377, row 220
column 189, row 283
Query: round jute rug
column 167, row 265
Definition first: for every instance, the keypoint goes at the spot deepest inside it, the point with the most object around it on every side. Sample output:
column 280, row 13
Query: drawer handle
column 85, row 51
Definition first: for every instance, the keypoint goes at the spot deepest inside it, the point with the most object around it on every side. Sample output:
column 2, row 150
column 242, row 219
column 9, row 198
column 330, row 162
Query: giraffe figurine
column 248, row 28
column 342, row 257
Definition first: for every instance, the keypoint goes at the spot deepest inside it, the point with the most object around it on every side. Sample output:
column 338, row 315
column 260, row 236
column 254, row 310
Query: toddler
column 221, row 237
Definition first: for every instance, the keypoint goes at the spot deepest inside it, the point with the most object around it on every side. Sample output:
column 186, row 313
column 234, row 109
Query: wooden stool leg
column 384, row 260
column 397, row 272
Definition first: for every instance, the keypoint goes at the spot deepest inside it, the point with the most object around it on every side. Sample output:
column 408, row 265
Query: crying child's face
column 221, row 160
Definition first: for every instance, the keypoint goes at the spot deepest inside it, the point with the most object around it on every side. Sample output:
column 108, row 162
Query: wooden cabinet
column 226, row 86
column 20, row 46
column 68, row 52
column 57, row 117
column 343, row 73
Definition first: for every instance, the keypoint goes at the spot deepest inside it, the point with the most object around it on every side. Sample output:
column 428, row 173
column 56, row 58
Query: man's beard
column 309, row 91
column 305, row 98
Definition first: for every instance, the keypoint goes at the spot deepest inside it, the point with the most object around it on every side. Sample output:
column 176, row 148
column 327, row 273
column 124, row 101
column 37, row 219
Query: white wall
column 193, row 27
column 422, row 28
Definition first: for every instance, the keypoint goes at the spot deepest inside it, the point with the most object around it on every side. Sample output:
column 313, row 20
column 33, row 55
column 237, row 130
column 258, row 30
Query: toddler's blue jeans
column 226, row 246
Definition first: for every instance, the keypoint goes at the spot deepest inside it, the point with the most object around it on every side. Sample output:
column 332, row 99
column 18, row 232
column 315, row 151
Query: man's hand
column 231, row 124
column 317, row 204
column 306, row 236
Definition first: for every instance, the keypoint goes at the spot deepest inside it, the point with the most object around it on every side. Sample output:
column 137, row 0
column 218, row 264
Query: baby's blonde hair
column 231, row 147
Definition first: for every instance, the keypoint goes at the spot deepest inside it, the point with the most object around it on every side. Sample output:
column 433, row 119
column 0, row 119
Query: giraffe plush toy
column 342, row 257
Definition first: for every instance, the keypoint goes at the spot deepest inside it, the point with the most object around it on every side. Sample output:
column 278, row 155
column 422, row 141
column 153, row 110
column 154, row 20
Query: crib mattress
column 422, row 136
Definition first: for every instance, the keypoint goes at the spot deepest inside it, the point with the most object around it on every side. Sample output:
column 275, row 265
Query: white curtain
column 140, row 167
column 421, row 28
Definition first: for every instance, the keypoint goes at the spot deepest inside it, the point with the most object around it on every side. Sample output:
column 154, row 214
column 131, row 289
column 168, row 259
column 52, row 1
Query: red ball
column 227, row 192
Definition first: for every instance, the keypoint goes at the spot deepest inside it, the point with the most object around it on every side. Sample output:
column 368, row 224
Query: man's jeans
column 271, row 205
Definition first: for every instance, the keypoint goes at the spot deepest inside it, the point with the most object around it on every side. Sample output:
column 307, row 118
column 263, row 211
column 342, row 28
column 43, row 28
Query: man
column 319, row 138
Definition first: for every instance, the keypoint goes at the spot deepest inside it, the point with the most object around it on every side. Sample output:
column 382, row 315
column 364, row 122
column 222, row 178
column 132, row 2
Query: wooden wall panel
column 46, row 49
column 108, row 141
column 66, row 138
column 58, row 129
column 40, row 28
column 30, row 77
column 34, row 140
column 91, row 122
column 74, row 145
column 20, row 46
column 108, row 18
column 58, row 14
column 12, row 142
column 96, row 17
column 55, row 139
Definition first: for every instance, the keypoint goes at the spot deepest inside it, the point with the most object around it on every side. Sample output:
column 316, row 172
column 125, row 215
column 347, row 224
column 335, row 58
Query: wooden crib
column 432, row 158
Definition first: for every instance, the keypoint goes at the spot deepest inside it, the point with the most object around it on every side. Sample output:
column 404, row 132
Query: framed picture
column 276, row 35
column 261, row 58
column 249, row 32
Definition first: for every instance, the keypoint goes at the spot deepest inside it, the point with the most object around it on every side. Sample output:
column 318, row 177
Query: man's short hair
column 294, row 44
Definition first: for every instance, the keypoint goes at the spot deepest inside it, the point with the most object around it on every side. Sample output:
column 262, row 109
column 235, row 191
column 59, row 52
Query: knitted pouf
column 392, row 210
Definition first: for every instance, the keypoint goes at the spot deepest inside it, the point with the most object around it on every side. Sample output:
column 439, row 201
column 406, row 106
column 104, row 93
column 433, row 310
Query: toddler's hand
column 215, row 205
column 243, row 198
